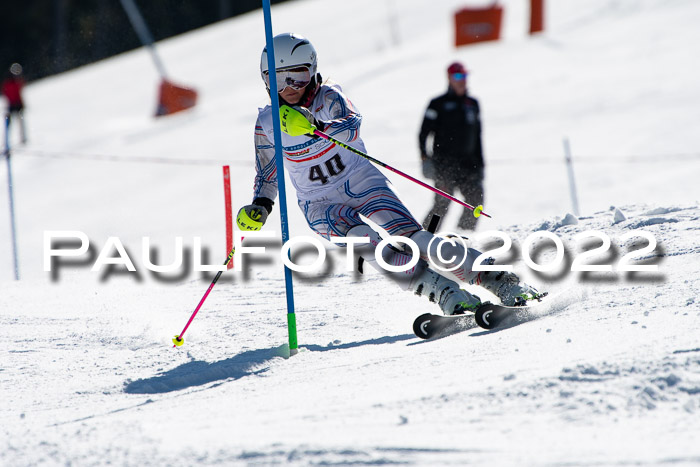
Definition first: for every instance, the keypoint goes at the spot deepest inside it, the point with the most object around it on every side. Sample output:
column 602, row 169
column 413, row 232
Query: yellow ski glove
column 251, row 217
column 297, row 121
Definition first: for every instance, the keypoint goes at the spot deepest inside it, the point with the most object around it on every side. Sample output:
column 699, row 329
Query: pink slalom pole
column 179, row 340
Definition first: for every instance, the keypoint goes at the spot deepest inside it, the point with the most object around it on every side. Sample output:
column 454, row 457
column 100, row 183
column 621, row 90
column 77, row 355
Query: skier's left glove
column 253, row 216
column 298, row 121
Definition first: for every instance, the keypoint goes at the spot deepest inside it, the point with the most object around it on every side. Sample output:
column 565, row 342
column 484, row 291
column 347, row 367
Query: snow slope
column 607, row 374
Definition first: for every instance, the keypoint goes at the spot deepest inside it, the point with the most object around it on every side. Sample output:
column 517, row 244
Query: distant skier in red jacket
column 12, row 90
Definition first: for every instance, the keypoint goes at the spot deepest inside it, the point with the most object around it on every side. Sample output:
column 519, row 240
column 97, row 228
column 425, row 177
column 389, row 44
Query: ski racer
column 335, row 187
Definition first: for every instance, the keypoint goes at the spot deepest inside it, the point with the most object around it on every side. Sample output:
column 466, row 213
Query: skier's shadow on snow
column 199, row 373
column 350, row 345
column 248, row 363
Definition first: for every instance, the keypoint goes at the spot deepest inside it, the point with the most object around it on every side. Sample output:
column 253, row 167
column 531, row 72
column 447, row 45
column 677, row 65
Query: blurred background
column 51, row 36
column 609, row 84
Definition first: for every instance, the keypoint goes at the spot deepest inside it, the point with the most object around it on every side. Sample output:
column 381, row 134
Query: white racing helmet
column 292, row 51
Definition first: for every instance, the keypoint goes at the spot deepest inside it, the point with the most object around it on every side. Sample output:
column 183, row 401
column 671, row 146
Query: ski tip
column 488, row 316
column 420, row 325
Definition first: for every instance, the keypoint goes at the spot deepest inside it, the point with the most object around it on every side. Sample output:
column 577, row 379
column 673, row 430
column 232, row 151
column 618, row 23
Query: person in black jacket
column 450, row 139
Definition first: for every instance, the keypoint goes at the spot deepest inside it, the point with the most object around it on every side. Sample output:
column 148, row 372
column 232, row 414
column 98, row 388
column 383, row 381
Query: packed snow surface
column 606, row 372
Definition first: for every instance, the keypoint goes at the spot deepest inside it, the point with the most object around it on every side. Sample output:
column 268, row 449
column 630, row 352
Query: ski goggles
column 459, row 76
column 295, row 78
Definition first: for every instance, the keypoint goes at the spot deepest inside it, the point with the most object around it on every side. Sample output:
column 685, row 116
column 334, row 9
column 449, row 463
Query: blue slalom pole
column 12, row 198
column 291, row 317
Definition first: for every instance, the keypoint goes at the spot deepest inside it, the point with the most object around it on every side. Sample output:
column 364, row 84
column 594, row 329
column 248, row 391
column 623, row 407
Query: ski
column 487, row 316
column 428, row 325
column 492, row 316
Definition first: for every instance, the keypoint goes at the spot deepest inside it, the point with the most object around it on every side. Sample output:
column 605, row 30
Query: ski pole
column 178, row 340
column 296, row 124
column 478, row 210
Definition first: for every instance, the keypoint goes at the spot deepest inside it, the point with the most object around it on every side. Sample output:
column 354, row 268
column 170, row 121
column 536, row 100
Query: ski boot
column 445, row 292
column 507, row 287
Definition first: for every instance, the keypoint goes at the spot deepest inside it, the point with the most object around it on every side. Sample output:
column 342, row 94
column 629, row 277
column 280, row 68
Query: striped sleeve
column 265, row 185
column 344, row 123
